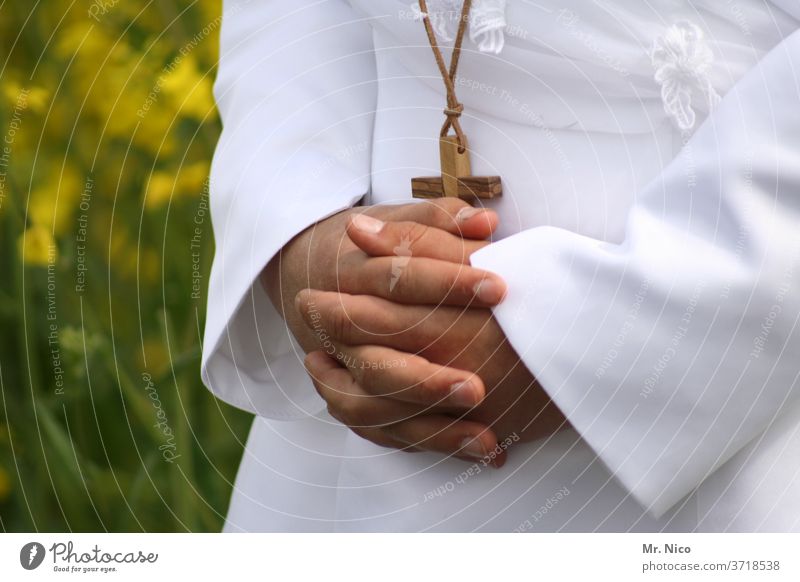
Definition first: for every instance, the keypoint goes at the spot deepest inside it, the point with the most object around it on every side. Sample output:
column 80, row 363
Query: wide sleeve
column 296, row 93
column 671, row 351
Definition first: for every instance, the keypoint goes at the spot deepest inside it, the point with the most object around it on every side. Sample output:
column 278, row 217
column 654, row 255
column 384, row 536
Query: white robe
column 653, row 272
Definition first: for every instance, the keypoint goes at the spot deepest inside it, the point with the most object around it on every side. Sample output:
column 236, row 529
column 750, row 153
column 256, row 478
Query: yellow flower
column 53, row 204
column 164, row 186
column 86, row 40
column 192, row 178
column 188, row 89
column 124, row 258
column 37, row 246
column 22, row 101
column 38, row 99
column 12, row 92
column 159, row 190
column 156, row 133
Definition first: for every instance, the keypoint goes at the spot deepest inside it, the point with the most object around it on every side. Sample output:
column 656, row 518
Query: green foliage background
column 108, row 126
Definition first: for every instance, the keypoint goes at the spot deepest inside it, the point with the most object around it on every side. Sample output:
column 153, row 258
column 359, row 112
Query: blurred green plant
column 108, row 126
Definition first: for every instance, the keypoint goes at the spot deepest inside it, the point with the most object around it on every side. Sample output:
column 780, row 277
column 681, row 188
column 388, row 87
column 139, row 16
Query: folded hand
column 426, row 369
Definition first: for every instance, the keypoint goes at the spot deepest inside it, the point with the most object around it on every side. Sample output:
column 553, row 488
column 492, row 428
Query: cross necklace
column 456, row 179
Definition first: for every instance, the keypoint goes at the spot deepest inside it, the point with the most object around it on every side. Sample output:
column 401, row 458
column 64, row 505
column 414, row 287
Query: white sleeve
column 296, row 93
column 672, row 350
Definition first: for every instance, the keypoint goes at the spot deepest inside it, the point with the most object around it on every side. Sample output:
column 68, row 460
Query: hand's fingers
column 422, row 281
column 319, row 365
column 450, row 214
column 417, row 431
column 364, row 319
column 409, row 239
column 348, row 402
column 462, row 438
column 392, row 374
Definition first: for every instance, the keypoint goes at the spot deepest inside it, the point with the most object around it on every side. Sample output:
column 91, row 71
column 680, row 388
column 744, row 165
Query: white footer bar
column 401, row 557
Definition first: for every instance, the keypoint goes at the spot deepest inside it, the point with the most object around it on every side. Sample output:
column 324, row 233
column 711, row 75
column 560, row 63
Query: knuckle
column 348, row 276
column 449, row 283
column 427, row 212
column 355, row 412
column 392, row 232
column 451, row 207
column 406, row 235
column 427, row 393
column 341, row 325
column 356, row 281
column 368, row 377
column 402, row 279
column 438, row 349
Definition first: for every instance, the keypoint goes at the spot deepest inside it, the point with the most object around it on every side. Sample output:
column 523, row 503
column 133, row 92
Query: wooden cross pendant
column 456, row 179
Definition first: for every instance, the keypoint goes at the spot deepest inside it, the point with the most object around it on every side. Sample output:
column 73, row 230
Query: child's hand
column 430, row 377
column 428, row 262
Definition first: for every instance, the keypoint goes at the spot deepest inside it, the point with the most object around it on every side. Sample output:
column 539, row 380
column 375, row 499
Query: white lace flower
column 487, row 25
column 487, row 21
column 683, row 61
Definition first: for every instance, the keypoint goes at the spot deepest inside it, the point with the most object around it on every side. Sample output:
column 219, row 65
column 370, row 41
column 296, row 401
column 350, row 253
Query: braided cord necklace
column 456, row 179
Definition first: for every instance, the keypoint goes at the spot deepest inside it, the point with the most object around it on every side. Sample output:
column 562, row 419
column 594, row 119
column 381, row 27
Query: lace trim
column 486, row 27
column 683, row 61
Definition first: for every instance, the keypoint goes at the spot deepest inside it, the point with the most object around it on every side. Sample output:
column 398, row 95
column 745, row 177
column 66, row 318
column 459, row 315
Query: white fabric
column 644, row 264
column 487, row 21
column 300, row 82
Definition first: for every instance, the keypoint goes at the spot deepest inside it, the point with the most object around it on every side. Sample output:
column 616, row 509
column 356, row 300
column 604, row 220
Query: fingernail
column 463, row 394
column 466, row 213
column 472, row 447
column 489, row 291
column 367, row 224
column 300, row 300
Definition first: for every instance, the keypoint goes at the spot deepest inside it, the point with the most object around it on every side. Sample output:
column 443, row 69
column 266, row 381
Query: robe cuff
column 253, row 362
column 667, row 352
